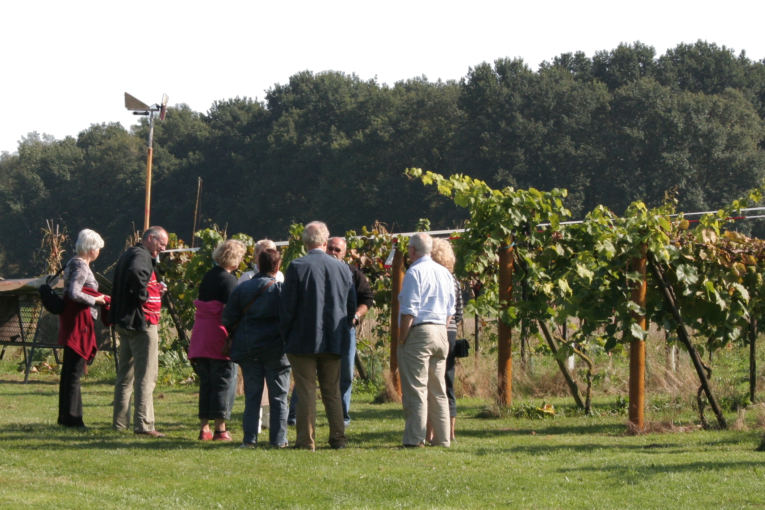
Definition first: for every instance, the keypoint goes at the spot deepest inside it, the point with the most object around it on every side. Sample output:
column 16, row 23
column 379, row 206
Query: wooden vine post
column 637, row 345
column 397, row 280
column 752, row 359
column 505, row 368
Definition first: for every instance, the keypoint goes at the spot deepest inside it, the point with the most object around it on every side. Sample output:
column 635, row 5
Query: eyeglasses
column 334, row 250
column 162, row 244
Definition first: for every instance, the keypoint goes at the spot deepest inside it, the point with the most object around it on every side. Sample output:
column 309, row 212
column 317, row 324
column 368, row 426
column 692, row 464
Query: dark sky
column 67, row 67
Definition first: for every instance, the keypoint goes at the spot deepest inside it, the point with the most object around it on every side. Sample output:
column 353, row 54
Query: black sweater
column 217, row 285
column 364, row 293
column 131, row 277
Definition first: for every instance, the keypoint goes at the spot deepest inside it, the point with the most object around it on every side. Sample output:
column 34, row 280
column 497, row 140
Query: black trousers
column 69, row 394
column 449, row 374
column 215, row 379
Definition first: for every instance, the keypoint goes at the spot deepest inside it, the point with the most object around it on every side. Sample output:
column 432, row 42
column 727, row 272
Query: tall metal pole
column 397, row 280
column 637, row 346
column 147, row 208
column 505, row 362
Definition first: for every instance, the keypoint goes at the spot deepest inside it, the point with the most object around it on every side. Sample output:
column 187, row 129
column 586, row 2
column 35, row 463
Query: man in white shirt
column 427, row 304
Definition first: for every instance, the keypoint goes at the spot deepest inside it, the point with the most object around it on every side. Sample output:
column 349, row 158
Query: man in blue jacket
column 317, row 305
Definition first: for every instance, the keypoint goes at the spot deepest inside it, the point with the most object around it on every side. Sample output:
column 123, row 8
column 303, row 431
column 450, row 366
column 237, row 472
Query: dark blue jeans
column 347, row 366
column 269, row 365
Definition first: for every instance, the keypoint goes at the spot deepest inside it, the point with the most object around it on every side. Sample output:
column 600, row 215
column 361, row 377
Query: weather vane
column 140, row 108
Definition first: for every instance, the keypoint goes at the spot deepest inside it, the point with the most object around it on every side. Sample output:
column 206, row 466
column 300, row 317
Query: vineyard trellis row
column 614, row 274
column 707, row 278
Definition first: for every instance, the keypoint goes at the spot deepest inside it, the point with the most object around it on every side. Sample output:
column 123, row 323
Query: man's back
column 317, row 300
column 427, row 292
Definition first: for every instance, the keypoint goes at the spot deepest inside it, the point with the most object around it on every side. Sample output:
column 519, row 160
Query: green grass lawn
column 565, row 462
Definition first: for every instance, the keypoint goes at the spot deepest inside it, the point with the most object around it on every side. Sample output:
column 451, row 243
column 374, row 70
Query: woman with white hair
column 260, row 247
column 216, row 372
column 76, row 325
column 442, row 253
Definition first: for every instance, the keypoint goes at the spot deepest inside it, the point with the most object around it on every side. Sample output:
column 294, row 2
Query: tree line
column 623, row 125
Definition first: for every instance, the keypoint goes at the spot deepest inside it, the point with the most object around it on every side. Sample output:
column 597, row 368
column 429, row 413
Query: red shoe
column 205, row 435
column 222, row 435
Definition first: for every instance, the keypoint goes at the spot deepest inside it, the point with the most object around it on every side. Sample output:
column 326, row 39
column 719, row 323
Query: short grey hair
column 422, row 243
column 88, row 240
column 263, row 245
column 315, row 234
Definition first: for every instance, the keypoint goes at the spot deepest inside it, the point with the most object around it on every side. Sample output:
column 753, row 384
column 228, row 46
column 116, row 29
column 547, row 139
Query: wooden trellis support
column 397, row 280
column 505, row 361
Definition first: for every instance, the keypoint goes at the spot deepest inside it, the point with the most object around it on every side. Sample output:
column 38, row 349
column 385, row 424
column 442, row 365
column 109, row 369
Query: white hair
column 422, row 243
column 263, row 245
column 315, row 234
column 87, row 241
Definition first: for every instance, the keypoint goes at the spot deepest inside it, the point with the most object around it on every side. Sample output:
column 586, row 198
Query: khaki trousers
column 138, row 373
column 305, row 369
column 422, row 363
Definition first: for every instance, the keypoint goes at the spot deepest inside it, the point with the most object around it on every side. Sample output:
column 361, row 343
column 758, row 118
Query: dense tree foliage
column 621, row 126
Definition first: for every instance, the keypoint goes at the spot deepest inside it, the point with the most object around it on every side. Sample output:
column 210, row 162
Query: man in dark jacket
column 135, row 309
column 318, row 302
column 365, row 297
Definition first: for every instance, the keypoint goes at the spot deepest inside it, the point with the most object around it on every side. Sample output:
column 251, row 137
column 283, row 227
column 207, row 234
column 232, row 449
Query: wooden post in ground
column 196, row 211
column 397, row 279
column 637, row 345
column 752, row 359
column 505, row 362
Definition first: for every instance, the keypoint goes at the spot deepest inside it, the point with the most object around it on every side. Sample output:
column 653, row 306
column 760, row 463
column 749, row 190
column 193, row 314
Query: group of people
column 272, row 325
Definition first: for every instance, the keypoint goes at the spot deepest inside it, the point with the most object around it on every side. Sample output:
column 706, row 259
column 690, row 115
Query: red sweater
column 76, row 328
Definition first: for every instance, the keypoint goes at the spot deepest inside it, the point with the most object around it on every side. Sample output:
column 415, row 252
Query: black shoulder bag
column 52, row 302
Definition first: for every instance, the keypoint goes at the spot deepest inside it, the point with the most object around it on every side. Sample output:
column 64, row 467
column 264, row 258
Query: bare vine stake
column 505, row 347
column 196, row 211
column 752, row 358
column 524, row 325
column 682, row 334
column 637, row 345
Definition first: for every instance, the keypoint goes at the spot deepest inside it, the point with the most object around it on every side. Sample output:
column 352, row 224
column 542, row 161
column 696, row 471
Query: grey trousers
column 422, row 364
column 137, row 374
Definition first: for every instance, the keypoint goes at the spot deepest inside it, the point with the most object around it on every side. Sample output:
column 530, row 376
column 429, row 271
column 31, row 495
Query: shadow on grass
column 55, row 437
column 373, row 414
column 625, row 471
column 589, row 429
column 29, row 384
